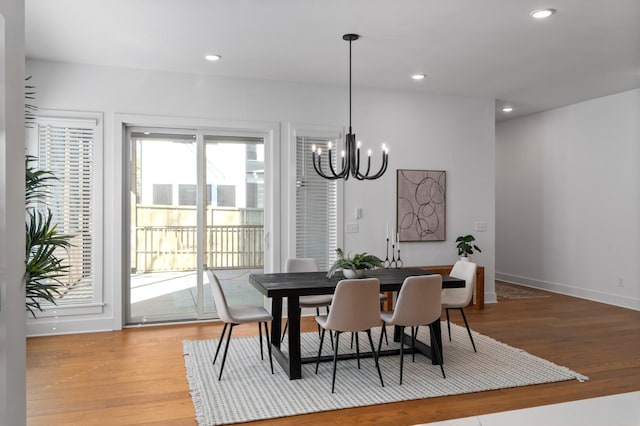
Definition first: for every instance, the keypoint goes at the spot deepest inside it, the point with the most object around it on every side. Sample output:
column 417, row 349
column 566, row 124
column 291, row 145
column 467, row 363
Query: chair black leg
column 320, row 349
column 448, row 323
column 375, row 356
column 383, row 332
column 413, row 345
column 437, row 353
column 224, row 330
column 468, row 329
column 284, row 331
column 266, row 332
column 226, row 347
column 260, row 334
column 357, row 349
column 401, row 351
column 318, row 314
column 384, row 325
column 335, row 361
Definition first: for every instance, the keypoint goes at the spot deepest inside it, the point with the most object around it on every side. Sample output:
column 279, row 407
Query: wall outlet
column 351, row 228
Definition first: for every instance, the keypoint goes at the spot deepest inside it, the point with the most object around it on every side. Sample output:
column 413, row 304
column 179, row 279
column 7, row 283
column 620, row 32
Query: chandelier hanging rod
column 350, row 165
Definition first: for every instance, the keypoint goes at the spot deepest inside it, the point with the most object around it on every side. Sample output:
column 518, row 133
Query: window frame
column 60, row 117
column 309, row 131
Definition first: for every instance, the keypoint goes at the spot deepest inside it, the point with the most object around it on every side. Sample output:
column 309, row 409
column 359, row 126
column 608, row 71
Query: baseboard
column 51, row 326
column 567, row 290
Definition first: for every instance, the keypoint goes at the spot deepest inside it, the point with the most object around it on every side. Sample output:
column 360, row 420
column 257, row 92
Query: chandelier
column 351, row 153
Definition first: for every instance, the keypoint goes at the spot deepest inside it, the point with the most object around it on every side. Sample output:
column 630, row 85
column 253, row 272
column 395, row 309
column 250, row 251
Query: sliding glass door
column 196, row 201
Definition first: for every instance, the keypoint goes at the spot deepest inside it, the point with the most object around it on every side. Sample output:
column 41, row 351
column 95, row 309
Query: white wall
column 439, row 132
column 12, row 291
column 568, row 200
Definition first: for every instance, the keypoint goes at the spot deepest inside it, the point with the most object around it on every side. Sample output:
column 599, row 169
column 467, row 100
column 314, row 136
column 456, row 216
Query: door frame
column 117, row 251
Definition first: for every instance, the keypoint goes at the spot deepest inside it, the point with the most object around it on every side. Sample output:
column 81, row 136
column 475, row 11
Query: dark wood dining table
column 278, row 286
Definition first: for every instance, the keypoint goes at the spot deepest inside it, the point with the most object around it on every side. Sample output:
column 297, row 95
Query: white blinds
column 66, row 148
column 316, row 206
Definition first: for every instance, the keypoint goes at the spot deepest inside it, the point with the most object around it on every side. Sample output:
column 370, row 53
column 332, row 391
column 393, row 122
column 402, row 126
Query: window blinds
column 66, row 148
column 316, row 207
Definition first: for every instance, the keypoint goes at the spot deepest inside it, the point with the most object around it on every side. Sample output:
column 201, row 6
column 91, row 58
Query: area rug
column 506, row 291
column 248, row 391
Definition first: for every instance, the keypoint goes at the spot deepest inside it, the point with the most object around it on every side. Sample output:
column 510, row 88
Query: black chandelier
column 351, row 153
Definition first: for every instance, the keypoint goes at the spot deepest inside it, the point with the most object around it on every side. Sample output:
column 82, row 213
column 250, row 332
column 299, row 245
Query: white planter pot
column 465, row 258
column 348, row 273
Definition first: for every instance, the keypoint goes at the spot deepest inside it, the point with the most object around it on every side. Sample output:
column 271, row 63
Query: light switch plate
column 481, row 226
column 351, row 228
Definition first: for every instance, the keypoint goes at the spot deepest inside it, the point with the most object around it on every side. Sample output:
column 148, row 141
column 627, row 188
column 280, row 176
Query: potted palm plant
column 354, row 266
column 466, row 246
column 45, row 246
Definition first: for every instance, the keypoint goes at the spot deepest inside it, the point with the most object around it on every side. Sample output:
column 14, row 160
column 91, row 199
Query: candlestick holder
column 399, row 262
column 393, row 263
column 387, row 263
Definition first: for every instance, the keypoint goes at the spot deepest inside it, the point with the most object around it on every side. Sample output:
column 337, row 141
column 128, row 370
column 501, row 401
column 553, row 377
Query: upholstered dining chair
column 418, row 303
column 458, row 298
column 303, row 264
column 355, row 307
column 232, row 316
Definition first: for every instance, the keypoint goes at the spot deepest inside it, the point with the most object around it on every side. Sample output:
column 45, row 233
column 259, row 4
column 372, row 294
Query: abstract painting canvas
column 421, row 205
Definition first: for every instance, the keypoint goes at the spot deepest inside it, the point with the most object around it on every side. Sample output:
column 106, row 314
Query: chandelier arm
column 383, row 168
column 318, row 167
column 337, row 175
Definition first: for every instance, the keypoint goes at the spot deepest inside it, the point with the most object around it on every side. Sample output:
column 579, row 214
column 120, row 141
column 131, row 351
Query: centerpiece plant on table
column 354, row 266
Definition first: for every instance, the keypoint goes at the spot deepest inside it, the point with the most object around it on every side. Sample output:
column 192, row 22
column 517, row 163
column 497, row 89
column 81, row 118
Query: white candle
column 398, row 240
column 387, row 230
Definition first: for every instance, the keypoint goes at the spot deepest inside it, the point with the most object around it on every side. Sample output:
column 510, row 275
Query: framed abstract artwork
column 420, row 208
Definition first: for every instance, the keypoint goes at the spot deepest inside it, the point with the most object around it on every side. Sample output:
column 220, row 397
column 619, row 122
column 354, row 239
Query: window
column 163, row 194
column 226, row 195
column 67, row 148
column 316, row 207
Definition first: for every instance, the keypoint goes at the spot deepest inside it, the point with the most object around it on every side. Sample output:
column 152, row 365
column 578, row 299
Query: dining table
column 292, row 285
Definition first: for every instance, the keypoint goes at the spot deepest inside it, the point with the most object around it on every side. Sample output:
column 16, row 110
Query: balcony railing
column 174, row 248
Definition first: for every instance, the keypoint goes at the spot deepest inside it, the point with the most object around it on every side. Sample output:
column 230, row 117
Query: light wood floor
column 137, row 376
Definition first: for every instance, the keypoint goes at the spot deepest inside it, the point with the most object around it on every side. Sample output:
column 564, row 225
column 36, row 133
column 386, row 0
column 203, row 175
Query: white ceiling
column 487, row 48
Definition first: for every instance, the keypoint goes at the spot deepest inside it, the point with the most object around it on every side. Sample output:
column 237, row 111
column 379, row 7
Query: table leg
column 276, row 323
column 295, row 362
column 437, row 336
column 426, row 350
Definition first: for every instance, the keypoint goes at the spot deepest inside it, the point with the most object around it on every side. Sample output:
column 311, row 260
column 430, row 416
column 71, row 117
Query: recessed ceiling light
column 213, row 58
column 542, row 13
column 418, row 76
column 507, row 109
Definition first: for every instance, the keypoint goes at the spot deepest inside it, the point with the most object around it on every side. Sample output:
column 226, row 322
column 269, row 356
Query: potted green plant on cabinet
column 466, row 246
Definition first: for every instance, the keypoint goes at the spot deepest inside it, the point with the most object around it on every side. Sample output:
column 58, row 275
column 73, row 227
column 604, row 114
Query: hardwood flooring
column 137, row 376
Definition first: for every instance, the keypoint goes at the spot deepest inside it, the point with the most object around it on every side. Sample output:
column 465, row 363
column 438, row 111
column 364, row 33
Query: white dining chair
column 418, row 303
column 305, row 264
column 356, row 307
column 232, row 316
column 458, row 298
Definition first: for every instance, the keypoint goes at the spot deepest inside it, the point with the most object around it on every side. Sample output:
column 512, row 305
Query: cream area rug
column 248, row 391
